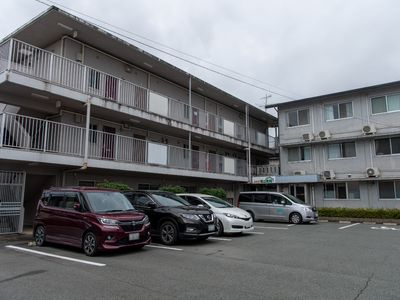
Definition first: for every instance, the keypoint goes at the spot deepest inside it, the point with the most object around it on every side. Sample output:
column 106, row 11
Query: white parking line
column 219, row 239
column 266, row 227
column 344, row 227
column 56, row 256
column 163, row 247
column 290, row 225
column 253, row 232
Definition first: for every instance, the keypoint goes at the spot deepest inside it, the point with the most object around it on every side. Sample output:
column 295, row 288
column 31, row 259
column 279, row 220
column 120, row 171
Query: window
column 342, row 150
column 194, row 201
column 245, row 198
column 94, row 79
column 262, row 198
column 338, row 111
column 298, row 117
column 146, row 187
column 299, row 154
column 56, row 200
column 387, row 146
column 389, row 189
column 385, row 104
column 93, row 133
column 342, row 190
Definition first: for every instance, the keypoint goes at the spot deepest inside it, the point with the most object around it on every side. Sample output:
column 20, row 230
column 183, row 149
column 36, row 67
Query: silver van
column 275, row 206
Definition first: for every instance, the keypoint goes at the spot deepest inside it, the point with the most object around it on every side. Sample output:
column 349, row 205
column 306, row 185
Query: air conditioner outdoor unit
column 299, row 172
column 372, row 172
column 368, row 129
column 308, row 137
column 324, row 134
column 329, row 174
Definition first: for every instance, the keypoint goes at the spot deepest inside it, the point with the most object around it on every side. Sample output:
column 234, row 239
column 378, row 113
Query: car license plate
column 211, row 227
column 134, row 236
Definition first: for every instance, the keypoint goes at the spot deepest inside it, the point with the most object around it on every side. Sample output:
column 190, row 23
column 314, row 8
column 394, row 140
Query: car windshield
column 108, row 202
column 167, row 199
column 216, row 202
column 294, row 199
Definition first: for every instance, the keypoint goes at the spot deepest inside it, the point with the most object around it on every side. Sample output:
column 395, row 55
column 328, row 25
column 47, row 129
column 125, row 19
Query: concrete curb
column 387, row 222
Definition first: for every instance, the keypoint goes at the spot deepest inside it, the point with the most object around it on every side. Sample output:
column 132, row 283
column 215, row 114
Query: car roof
column 261, row 192
column 79, row 189
column 195, row 195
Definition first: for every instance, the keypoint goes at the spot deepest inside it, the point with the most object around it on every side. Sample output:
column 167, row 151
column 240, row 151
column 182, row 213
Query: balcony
column 20, row 57
column 265, row 170
column 43, row 136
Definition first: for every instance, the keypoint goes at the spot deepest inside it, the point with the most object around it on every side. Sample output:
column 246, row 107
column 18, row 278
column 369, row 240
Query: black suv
column 172, row 218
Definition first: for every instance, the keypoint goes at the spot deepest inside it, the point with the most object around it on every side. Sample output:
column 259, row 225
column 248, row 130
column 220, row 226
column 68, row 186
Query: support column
column 190, row 100
column 248, row 144
column 190, row 150
column 86, row 153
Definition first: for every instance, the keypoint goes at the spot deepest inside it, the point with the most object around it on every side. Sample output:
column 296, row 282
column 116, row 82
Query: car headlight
column 105, row 221
column 146, row 220
column 190, row 217
column 231, row 216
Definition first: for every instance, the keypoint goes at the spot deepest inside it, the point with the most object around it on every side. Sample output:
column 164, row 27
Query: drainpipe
column 86, row 151
column 248, row 144
column 190, row 122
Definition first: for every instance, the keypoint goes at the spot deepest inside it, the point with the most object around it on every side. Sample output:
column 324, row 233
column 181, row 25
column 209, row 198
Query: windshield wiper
column 114, row 210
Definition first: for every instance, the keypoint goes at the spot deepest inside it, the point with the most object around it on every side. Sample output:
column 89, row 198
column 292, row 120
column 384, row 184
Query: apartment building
column 79, row 106
column 342, row 149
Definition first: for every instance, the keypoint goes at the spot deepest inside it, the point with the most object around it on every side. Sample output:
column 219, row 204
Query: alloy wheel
column 90, row 244
column 39, row 236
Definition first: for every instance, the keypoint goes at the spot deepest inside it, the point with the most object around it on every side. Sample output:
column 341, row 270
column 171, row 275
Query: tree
column 114, row 185
column 217, row 192
column 176, row 189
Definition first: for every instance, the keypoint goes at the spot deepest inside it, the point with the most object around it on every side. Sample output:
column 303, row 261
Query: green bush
column 176, row 189
column 114, row 185
column 217, row 192
column 371, row 213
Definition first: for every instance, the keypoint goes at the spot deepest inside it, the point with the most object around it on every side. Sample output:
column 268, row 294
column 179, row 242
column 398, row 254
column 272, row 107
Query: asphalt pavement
column 277, row 261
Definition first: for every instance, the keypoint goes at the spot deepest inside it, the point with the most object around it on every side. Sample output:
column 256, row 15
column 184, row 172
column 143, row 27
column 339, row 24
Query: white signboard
column 229, row 165
column 158, row 104
column 229, row 128
column 157, row 154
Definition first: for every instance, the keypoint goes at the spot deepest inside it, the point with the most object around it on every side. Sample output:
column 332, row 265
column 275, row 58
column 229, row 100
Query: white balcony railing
column 265, row 170
column 29, row 60
column 32, row 134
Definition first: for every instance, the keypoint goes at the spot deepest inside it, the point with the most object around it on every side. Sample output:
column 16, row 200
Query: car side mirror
column 151, row 205
column 77, row 206
column 200, row 205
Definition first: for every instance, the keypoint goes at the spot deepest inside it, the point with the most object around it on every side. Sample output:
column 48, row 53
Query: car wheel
column 220, row 228
column 168, row 233
column 252, row 216
column 40, row 236
column 90, row 244
column 295, row 218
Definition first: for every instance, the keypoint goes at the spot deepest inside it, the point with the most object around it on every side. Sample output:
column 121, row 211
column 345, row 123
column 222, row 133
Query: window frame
column 341, row 151
column 335, row 198
column 390, row 145
column 338, row 108
column 394, row 183
column 299, row 154
column 386, row 103
column 297, row 114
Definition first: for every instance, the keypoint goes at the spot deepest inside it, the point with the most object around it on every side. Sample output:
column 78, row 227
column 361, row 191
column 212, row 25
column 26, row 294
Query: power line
column 173, row 55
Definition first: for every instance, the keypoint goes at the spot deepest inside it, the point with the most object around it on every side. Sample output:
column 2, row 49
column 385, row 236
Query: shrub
column 114, row 185
column 217, row 192
column 176, row 189
column 371, row 213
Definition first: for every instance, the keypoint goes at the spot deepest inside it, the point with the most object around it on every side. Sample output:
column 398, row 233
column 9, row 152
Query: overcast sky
column 306, row 47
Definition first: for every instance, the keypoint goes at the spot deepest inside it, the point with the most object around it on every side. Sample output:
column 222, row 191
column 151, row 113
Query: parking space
column 321, row 261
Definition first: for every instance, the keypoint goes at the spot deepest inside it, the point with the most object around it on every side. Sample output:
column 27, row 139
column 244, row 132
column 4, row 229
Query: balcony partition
column 29, row 60
column 38, row 135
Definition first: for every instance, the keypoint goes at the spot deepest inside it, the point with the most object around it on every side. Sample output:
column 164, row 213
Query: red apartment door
column 108, row 142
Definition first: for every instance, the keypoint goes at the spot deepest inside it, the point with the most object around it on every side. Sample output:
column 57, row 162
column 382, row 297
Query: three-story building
column 343, row 149
column 79, row 106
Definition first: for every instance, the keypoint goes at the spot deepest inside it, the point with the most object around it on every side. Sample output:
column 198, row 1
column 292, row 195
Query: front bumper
column 311, row 217
column 232, row 225
column 121, row 239
column 195, row 230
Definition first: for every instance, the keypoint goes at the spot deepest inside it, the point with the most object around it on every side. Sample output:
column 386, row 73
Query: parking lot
column 276, row 261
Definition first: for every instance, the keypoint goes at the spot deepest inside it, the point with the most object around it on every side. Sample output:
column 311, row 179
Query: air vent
column 372, row 172
column 324, row 134
column 329, row 174
column 299, row 172
column 368, row 129
column 308, row 137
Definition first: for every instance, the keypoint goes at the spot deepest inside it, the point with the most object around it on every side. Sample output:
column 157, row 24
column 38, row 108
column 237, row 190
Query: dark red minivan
column 89, row 218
